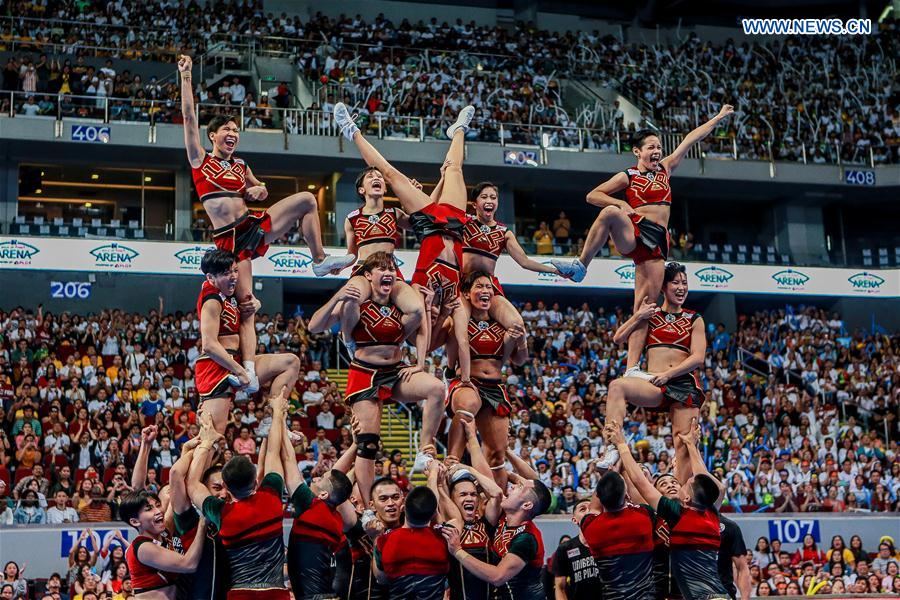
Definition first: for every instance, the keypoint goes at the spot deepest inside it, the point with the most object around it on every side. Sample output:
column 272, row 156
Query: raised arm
column 192, row 143
column 601, row 195
column 278, row 402
column 643, row 313
column 691, row 440
column 330, row 313
column 613, row 432
column 345, row 462
column 139, row 475
column 693, row 361
column 198, row 492
column 672, row 161
column 461, row 335
column 292, row 477
column 518, row 254
column 352, row 248
column 521, row 467
column 178, row 495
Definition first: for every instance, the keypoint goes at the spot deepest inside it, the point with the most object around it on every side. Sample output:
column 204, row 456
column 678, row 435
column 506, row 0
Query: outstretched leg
column 454, row 190
column 247, row 330
column 411, row 198
column 463, row 398
column 368, row 413
column 422, row 385
column 494, row 431
column 278, row 369
column 304, row 208
column 612, row 223
column 624, row 391
column 505, row 313
column 682, row 417
column 648, row 278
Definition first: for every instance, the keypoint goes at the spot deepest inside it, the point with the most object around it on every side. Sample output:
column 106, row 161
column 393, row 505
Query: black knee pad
column 367, row 445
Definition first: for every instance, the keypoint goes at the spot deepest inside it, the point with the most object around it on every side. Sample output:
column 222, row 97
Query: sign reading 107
column 792, row 531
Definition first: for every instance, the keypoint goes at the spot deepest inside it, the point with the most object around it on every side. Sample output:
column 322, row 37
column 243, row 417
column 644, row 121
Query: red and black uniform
column 226, row 178
column 251, row 533
column 674, row 330
column 664, row 582
column 476, row 540
column 694, row 539
column 524, row 541
column 646, row 189
column 316, row 535
column 485, row 240
column 416, row 561
column 431, row 225
column 211, row 377
column 144, row 578
column 375, row 228
column 486, row 340
column 621, row 543
column 378, row 325
column 210, row 580
column 363, row 584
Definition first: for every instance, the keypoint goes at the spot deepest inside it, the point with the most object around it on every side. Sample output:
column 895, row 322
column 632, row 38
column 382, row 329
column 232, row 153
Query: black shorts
column 366, row 381
column 491, row 393
column 684, row 389
column 651, row 240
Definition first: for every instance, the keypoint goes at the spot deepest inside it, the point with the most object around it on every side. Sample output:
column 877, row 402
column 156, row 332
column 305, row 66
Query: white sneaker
column 332, row 263
column 344, row 121
column 610, row 458
column 570, row 269
column 251, row 388
column 638, row 374
column 422, row 462
column 462, row 121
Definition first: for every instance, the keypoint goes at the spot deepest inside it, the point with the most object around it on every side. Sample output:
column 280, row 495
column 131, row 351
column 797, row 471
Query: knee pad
column 367, row 445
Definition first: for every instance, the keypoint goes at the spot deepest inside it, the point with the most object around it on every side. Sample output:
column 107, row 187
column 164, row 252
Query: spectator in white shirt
column 325, row 418
column 60, row 512
column 238, row 91
column 57, row 442
column 312, row 396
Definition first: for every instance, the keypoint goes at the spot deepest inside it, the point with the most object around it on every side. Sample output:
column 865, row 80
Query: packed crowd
column 430, row 70
column 807, row 422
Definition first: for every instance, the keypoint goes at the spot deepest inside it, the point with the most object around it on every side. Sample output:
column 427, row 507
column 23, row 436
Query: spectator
column 60, row 512
column 28, row 510
column 543, row 239
column 98, row 509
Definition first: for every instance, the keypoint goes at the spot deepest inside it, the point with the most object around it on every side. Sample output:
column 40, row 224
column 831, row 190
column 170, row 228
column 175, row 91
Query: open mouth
column 489, row 207
column 655, row 157
column 377, row 186
column 391, row 513
column 468, row 506
column 386, row 282
column 230, row 142
column 484, row 298
column 158, row 520
column 680, row 295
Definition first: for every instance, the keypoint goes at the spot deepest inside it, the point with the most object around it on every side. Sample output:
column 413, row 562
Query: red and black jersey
column 486, row 240
column 220, row 177
column 412, row 551
column 696, row 529
column 486, row 339
column 230, row 319
column 144, row 578
column 379, row 325
column 672, row 330
column 319, row 523
column 524, row 541
column 648, row 187
column 621, row 543
column 476, row 540
column 376, row 228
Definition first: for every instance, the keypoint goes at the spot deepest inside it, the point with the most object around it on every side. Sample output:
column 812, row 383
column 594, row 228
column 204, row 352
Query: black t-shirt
column 573, row 561
column 732, row 545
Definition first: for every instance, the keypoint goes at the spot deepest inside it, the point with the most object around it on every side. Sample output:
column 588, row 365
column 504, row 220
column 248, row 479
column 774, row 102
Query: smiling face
column 486, row 204
column 372, row 185
column 387, row 501
column 225, row 282
column 481, row 293
column 382, row 278
column 649, row 152
column 151, row 517
column 225, row 139
column 676, row 291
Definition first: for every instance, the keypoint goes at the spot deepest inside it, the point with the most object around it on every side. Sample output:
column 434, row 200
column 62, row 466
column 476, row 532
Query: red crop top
column 648, row 187
column 380, row 227
column 487, row 240
column 672, row 330
column 379, row 325
column 486, row 339
column 220, row 178
column 230, row 319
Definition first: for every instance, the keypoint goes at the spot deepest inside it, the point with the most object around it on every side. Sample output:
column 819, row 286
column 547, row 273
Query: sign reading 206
column 792, row 531
column 90, row 133
column 70, row 289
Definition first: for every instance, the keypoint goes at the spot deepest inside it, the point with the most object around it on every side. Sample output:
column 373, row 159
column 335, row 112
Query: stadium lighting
column 94, row 176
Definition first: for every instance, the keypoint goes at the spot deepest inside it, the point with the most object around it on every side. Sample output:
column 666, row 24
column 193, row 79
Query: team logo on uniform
column 671, row 317
column 189, row 258
column 866, row 283
column 485, row 229
column 291, row 261
column 385, row 311
column 715, row 277
column 790, row 279
column 373, row 218
column 625, row 273
column 114, row 255
column 483, row 325
column 16, row 253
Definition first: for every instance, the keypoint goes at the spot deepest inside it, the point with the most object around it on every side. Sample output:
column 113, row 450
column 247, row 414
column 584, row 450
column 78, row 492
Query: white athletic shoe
column 422, row 462
column 462, row 121
column 571, row 269
column 251, row 388
column 610, row 457
column 344, row 121
column 331, row 263
column 638, row 374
